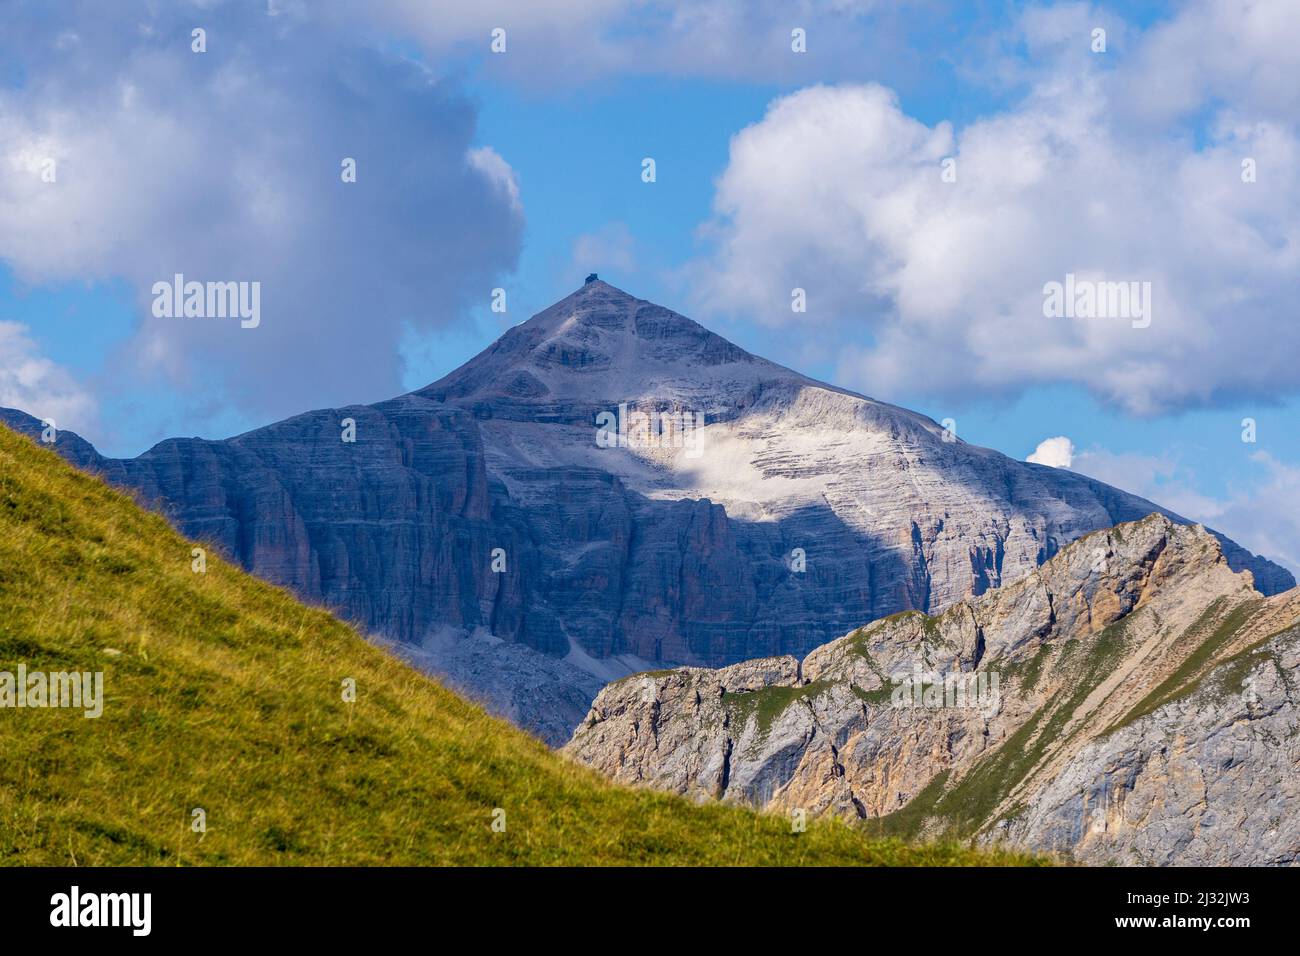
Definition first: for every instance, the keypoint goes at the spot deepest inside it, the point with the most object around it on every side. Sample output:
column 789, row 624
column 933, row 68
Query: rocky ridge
column 1140, row 706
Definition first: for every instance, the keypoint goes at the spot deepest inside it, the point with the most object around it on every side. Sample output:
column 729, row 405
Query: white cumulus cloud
column 935, row 284
column 1057, row 452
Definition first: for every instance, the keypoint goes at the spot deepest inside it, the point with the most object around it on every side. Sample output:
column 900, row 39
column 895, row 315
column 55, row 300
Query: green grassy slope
column 224, row 693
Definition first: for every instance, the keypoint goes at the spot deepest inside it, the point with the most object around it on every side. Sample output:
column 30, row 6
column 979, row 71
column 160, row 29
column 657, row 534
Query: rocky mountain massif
column 491, row 531
column 1133, row 701
column 223, row 692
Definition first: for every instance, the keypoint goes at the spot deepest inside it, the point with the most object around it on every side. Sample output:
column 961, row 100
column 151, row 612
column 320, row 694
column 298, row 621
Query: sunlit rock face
column 1132, row 701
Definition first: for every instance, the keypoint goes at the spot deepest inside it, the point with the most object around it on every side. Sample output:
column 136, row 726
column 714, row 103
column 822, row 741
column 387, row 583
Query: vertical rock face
column 1133, row 700
column 761, row 513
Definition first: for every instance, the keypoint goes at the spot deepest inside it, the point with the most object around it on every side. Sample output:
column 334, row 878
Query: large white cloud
column 225, row 166
column 937, row 287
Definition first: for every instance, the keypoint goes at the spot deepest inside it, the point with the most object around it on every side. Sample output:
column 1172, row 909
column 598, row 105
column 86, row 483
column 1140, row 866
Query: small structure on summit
column 591, row 278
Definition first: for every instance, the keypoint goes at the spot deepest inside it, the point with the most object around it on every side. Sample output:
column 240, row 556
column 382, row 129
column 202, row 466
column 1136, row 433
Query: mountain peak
column 599, row 305
column 593, row 302
column 600, row 342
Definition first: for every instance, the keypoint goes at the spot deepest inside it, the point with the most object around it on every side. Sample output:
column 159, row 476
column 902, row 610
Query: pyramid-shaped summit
column 600, row 343
column 483, row 526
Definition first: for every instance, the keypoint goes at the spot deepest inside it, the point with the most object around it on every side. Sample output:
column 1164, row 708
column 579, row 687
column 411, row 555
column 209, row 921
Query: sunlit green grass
column 224, row 693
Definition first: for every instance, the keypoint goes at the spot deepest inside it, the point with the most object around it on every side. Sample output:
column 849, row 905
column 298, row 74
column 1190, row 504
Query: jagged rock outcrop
column 1134, row 700
column 798, row 510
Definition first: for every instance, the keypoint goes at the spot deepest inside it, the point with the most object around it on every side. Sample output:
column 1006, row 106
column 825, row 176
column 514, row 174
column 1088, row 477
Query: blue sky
column 522, row 170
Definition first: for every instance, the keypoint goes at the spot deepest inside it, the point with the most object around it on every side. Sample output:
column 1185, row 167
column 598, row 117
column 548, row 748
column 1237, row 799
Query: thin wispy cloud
column 31, row 381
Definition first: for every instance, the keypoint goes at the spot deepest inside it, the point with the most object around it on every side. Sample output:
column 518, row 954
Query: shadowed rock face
column 684, row 548
column 1133, row 700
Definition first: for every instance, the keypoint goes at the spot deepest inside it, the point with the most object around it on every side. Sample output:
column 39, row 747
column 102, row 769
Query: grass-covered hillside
column 224, row 694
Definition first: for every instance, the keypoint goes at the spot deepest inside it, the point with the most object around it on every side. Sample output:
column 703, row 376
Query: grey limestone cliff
column 485, row 510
